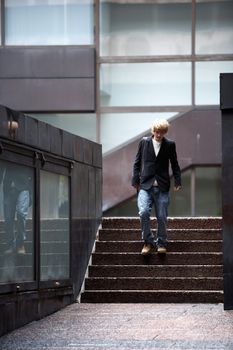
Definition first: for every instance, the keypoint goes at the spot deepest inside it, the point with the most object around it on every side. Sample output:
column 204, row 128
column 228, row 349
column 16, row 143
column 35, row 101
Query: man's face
column 158, row 135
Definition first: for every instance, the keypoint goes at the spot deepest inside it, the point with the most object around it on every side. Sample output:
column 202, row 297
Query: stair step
column 161, row 296
column 173, row 234
column 191, row 271
column 187, row 223
column 154, row 283
column 157, row 270
column 153, row 259
column 173, row 246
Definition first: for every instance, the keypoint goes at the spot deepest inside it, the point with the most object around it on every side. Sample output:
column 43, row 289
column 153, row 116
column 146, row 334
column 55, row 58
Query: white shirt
column 156, row 146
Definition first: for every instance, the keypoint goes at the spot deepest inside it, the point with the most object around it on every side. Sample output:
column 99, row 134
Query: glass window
column 145, row 28
column 118, row 128
column 54, row 226
column 126, row 208
column 83, row 125
column 49, row 22
column 207, row 81
column 214, row 27
column 180, row 202
column 145, row 84
column 208, row 191
column 16, row 223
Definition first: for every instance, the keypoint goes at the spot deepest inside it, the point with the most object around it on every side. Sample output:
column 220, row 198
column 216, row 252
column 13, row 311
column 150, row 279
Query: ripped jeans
column 160, row 200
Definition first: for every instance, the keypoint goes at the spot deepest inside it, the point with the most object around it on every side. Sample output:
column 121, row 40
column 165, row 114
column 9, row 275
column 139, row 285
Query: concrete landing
column 127, row 326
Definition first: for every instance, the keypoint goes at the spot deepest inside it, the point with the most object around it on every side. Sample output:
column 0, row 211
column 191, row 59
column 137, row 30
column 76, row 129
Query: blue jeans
column 160, row 200
column 16, row 202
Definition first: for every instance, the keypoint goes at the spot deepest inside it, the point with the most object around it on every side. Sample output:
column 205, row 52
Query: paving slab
column 126, row 327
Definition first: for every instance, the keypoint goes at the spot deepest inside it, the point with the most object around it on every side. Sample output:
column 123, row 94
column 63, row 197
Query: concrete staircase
column 191, row 271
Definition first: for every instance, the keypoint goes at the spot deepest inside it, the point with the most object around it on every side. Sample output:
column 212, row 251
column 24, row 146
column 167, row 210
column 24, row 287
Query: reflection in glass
column 180, row 202
column 208, row 191
column 54, row 226
column 145, row 28
column 49, row 22
column 214, row 27
column 146, row 84
column 16, row 207
column 207, row 81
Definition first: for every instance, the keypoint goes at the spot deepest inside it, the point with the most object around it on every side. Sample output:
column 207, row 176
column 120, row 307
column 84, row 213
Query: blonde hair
column 160, row 125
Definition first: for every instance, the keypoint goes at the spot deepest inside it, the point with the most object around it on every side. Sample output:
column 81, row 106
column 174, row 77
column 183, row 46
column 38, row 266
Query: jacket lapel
column 151, row 148
column 162, row 147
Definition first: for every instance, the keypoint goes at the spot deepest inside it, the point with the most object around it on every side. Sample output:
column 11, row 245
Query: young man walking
column 152, row 181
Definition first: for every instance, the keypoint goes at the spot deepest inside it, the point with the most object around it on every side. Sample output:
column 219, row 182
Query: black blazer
column 148, row 168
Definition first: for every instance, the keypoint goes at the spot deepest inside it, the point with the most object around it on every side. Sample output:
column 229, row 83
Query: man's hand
column 177, row 188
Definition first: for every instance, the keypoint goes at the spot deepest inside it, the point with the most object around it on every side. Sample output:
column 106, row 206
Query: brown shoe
column 147, row 248
column 161, row 250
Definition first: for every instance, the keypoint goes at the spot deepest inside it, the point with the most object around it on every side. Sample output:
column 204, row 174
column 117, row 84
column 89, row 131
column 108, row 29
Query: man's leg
column 145, row 202
column 161, row 210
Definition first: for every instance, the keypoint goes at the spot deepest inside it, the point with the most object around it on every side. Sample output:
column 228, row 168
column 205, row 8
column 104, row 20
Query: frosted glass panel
column 152, row 28
column 118, row 128
column 146, row 84
column 83, row 125
column 54, row 226
column 180, row 202
column 16, row 223
column 208, row 191
column 207, row 81
column 49, row 22
column 214, row 27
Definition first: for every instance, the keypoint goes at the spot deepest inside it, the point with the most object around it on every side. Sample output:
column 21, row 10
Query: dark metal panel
column 4, row 130
column 226, row 98
column 97, row 155
column 44, row 136
column 47, row 62
column 79, row 149
column 68, row 140
column 98, row 194
column 88, row 152
column 80, row 191
column 48, row 94
column 91, row 192
column 227, row 201
column 31, row 132
column 55, row 140
column 226, row 90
